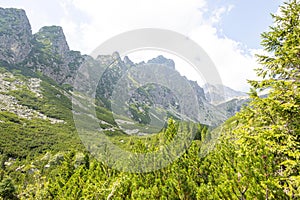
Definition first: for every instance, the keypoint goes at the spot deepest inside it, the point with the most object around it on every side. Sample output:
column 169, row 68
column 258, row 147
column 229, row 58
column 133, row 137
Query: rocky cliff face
column 51, row 55
column 54, row 38
column 143, row 98
column 46, row 51
column 15, row 35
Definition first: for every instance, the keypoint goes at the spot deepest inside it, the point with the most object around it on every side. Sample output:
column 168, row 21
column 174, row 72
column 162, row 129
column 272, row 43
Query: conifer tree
column 269, row 129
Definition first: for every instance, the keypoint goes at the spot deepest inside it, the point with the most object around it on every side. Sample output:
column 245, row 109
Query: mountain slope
column 47, row 52
column 35, row 115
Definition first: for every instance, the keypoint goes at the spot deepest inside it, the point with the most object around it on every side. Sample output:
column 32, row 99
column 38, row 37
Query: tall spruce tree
column 269, row 129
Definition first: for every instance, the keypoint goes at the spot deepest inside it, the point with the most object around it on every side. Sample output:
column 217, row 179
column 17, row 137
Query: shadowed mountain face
column 47, row 52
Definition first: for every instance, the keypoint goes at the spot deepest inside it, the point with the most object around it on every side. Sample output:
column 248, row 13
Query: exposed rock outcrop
column 15, row 35
column 51, row 55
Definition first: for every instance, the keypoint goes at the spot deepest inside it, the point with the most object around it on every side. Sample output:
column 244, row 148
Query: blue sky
column 247, row 19
column 228, row 30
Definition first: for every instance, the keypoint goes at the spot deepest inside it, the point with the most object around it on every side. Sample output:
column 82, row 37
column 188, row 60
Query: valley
column 77, row 127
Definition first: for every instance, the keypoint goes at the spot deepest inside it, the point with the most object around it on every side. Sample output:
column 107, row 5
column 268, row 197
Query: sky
column 228, row 30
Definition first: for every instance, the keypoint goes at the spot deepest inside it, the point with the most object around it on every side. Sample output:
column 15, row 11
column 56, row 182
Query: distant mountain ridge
column 217, row 94
column 47, row 52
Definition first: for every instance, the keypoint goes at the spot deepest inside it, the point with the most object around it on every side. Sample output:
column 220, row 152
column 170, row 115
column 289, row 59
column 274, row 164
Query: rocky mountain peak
column 15, row 35
column 116, row 55
column 127, row 61
column 54, row 38
column 162, row 61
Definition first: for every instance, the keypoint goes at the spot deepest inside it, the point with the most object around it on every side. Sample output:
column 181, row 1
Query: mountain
column 216, row 94
column 148, row 96
column 63, row 137
column 47, row 53
column 161, row 60
column 15, row 35
column 231, row 107
column 50, row 54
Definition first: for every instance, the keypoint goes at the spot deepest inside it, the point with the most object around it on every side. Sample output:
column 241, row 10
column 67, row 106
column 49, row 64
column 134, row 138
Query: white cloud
column 217, row 14
column 109, row 18
column 233, row 63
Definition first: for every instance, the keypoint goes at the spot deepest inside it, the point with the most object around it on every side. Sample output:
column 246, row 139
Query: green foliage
column 260, row 151
column 7, row 189
column 273, row 122
column 28, row 138
column 256, row 157
column 22, row 138
column 178, row 181
column 142, row 116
